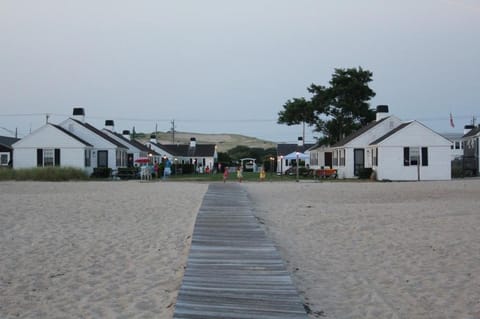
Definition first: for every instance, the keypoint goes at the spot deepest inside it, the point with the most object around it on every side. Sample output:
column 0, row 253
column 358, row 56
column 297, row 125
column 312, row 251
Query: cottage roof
column 395, row 130
column 284, row 149
column 472, row 132
column 8, row 141
column 359, row 132
column 100, row 133
column 142, row 147
column 452, row 136
column 200, row 150
column 134, row 143
column 71, row 134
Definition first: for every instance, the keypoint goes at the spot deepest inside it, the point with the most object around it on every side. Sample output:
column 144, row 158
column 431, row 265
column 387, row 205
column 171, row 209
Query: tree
column 297, row 111
column 335, row 111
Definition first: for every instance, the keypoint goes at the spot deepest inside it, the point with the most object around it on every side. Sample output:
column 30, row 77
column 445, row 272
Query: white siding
column 390, row 155
column 363, row 141
column 72, row 151
column 99, row 143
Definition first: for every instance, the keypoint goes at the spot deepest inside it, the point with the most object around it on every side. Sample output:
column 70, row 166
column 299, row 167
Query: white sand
column 94, row 249
column 378, row 250
column 356, row 250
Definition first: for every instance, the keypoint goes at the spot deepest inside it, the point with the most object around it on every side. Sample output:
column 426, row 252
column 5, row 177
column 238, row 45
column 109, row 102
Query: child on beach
column 262, row 174
column 225, row 174
column 240, row 174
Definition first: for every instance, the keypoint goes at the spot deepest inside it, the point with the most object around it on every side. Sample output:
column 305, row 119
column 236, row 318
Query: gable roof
column 473, row 132
column 284, row 149
column 395, row 130
column 142, row 147
column 134, row 143
column 200, row 150
column 359, row 132
column 71, row 134
column 8, row 141
column 99, row 133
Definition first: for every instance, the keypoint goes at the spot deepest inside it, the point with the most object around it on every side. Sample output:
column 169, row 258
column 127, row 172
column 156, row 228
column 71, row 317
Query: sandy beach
column 94, row 249
column 355, row 250
column 378, row 250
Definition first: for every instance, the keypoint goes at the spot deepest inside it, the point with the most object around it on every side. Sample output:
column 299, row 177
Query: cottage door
column 358, row 160
column 102, row 159
column 328, row 159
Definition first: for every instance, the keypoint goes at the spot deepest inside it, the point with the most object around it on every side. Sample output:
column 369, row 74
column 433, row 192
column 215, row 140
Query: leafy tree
column 224, row 157
column 335, row 111
column 297, row 111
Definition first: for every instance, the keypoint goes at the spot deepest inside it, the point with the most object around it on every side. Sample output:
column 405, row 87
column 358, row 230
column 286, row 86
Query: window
column 411, row 156
column 375, row 157
column 342, row 157
column 88, row 158
column 4, row 158
column 118, row 155
column 424, row 156
column 457, row 145
column 48, row 157
column 335, row 158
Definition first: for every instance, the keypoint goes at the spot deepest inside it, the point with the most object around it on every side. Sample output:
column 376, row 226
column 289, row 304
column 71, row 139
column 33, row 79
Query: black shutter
column 424, row 156
column 406, row 156
column 57, row 157
column 39, row 157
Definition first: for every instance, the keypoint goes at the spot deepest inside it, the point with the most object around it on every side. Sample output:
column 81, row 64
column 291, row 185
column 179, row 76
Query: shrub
column 101, row 172
column 365, row 173
column 44, row 174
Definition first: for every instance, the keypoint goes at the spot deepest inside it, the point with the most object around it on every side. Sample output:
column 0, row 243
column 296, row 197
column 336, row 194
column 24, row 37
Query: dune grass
column 43, row 174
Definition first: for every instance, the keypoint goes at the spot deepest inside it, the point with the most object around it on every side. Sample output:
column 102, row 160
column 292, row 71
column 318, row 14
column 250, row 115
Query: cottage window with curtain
column 335, row 158
column 411, row 156
column 48, row 157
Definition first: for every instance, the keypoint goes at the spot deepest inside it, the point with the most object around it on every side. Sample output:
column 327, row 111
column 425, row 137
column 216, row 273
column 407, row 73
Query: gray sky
column 217, row 66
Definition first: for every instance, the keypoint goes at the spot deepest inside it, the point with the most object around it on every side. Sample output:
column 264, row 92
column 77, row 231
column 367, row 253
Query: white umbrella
column 293, row 156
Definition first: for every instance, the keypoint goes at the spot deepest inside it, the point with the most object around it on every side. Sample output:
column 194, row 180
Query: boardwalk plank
column 233, row 270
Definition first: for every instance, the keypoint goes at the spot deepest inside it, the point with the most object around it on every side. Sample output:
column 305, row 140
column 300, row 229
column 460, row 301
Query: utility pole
column 173, row 131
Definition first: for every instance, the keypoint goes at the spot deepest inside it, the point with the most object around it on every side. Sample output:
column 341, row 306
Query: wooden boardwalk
column 233, row 270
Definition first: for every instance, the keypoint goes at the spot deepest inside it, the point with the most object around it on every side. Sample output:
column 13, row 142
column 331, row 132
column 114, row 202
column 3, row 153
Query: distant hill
column 224, row 142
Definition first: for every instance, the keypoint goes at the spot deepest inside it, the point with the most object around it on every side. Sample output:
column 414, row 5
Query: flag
column 451, row 121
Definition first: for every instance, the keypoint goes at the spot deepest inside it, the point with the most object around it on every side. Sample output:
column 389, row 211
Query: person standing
column 240, row 174
column 262, row 174
column 225, row 174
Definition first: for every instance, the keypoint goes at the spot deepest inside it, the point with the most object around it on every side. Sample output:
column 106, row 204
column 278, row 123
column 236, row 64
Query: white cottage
column 52, row 145
column 287, row 155
column 411, row 151
column 107, row 152
column 136, row 149
column 351, row 154
column 199, row 155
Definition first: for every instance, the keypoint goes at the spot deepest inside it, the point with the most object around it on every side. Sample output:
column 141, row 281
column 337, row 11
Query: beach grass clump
column 43, row 174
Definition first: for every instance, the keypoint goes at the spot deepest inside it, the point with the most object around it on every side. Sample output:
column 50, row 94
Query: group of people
column 240, row 174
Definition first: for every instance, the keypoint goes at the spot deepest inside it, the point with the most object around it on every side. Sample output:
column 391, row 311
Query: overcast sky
column 218, row 66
